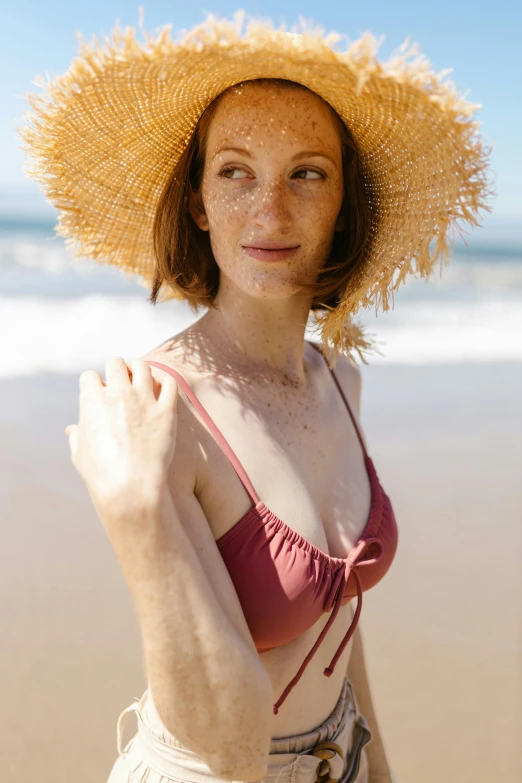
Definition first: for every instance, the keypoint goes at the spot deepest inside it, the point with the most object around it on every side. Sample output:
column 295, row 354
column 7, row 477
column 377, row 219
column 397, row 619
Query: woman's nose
column 271, row 205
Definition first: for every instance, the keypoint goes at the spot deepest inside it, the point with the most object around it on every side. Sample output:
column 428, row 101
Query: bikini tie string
column 341, row 580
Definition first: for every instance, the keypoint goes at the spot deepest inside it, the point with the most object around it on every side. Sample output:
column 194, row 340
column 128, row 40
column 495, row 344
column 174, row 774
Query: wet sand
column 442, row 631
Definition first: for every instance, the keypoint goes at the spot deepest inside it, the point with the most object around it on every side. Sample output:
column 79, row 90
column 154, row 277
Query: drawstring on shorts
column 119, row 729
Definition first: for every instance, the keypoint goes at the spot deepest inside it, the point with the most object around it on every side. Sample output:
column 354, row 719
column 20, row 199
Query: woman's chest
column 306, row 466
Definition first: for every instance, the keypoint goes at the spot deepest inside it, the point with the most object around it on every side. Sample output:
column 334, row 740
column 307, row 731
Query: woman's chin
column 266, row 290
column 275, row 282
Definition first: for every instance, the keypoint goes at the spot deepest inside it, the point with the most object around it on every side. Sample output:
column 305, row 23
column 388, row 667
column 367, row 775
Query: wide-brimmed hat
column 106, row 135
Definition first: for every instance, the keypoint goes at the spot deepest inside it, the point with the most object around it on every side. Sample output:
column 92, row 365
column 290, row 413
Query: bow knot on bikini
column 335, row 597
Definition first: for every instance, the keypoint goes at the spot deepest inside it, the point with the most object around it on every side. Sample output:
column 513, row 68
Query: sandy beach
column 442, row 631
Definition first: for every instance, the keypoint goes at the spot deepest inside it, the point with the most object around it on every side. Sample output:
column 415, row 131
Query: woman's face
column 282, row 182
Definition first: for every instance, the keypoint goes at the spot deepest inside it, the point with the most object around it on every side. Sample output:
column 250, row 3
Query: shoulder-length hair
column 185, row 262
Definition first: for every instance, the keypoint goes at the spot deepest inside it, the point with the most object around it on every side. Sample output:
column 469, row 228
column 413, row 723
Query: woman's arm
column 208, row 684
column 378, row 764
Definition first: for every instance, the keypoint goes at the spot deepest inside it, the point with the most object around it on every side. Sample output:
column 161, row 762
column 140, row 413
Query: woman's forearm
column 210, row 689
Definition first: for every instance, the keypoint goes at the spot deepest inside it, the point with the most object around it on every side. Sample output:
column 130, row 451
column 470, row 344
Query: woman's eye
column 313, row 171
column 225, row 171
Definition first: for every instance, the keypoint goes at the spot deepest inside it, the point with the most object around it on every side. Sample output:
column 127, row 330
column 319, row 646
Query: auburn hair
column 184, row 259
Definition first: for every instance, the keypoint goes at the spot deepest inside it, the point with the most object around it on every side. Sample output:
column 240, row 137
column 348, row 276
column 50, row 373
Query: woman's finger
column 169, row 390
column 141, row 375
column 116, row 371
column 89, row 379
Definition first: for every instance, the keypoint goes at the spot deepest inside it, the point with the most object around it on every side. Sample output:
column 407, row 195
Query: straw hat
column 105, row 136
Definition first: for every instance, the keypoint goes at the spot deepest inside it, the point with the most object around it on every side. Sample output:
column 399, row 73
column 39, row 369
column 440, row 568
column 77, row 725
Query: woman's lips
column 270, row 255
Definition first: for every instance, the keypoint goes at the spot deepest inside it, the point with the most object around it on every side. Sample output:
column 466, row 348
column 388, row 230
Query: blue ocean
column 60, row 314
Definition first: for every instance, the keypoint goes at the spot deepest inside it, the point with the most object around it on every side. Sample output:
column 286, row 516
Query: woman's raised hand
column 124, row 441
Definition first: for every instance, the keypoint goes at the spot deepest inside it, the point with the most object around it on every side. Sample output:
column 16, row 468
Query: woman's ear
column 197, row 209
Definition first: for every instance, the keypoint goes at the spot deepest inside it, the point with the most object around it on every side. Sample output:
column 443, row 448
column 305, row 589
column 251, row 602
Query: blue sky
column 479, row 40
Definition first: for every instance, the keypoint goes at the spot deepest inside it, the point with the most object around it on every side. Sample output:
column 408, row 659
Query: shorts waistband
column 330, row 752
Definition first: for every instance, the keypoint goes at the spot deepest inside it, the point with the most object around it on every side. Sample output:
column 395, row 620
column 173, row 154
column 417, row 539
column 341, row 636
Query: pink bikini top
column 283, row 582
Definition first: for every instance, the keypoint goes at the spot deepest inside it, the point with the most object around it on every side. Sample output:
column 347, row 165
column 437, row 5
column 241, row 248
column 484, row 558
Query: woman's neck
column 259, row 336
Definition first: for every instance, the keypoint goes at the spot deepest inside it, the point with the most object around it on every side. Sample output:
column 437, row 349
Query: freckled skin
column 247, row 360
column 269, row 196
column 262, row 313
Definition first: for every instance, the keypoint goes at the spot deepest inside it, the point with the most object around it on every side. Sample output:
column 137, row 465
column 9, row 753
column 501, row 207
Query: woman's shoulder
column 349, row 376
column 176, row 354
column 348, row 373
column 349, row 369
column 186, row 464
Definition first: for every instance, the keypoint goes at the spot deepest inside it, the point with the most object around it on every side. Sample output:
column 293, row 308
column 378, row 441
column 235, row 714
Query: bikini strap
column 334, row 376
column 220, row 438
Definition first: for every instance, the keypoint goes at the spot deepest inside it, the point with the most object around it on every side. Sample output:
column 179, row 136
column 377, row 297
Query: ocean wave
column 69, row 335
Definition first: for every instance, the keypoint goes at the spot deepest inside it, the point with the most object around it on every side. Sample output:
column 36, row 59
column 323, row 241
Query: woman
column 246, row 513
